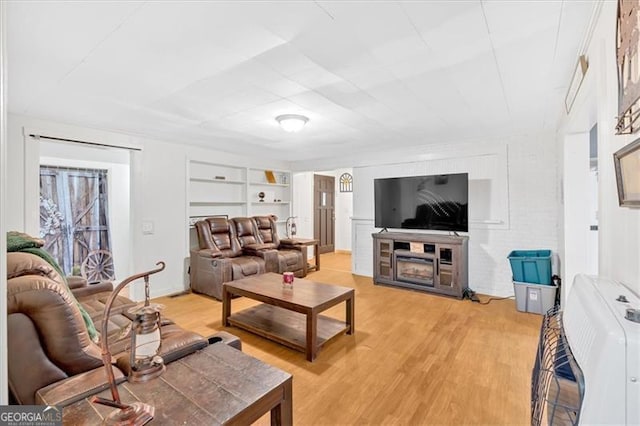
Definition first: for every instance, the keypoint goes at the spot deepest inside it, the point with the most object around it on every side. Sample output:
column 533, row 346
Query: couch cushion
column 246, row 266
column 290, row 258
column 264, row 228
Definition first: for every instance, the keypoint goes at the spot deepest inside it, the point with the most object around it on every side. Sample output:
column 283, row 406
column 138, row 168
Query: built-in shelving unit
column 221, row 189
column 277, row 196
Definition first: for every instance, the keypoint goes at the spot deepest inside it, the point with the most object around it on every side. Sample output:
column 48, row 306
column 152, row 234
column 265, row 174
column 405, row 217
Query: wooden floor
column 415, row 358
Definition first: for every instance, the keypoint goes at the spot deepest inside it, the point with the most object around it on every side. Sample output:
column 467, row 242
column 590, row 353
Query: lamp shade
column 292, row 122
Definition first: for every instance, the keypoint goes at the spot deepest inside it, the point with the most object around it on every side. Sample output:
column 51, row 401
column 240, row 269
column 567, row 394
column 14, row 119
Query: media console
column 427, row 262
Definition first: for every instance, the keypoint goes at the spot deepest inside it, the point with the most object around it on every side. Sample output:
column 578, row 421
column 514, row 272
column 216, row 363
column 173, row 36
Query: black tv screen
column 438, row 202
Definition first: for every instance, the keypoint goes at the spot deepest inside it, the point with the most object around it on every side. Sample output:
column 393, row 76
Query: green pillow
column 17, row 241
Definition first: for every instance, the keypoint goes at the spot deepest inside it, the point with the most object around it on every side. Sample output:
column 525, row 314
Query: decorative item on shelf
column 290, row 224
column 284, row 179
column 145, row 362
column 627, row 164
column 261, row 196
column 287, row 280
column 628, row 71
column 271, row 178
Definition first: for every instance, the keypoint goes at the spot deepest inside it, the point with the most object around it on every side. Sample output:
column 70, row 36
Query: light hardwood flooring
column 415, row 358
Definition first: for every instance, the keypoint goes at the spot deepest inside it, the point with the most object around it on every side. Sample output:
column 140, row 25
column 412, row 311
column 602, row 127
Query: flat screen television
column 437, row 202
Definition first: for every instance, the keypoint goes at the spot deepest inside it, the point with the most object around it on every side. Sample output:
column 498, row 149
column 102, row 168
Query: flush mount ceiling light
column 292, row 122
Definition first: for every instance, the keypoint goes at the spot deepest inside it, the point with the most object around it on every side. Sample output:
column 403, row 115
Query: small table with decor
column 218, row 385
column 304, row 243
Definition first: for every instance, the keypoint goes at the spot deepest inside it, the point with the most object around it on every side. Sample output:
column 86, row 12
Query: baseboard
column 342, row 251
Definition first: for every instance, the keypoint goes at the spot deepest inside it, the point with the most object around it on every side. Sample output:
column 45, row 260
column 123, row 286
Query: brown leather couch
column 51, row 358
column 233, row 249
column 220, row 258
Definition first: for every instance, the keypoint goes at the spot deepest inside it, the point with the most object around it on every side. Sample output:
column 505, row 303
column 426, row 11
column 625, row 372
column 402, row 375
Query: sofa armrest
column 225, row 338
column 270, row 257
column 105, row 286
column 209, row 253
column 206, row 274
column 75, row 281
column 73, row 389
column 257, row 247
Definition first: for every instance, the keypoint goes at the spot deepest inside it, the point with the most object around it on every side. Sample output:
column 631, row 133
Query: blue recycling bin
column 531, row 266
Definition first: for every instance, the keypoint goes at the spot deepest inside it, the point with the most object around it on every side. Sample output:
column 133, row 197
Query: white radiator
column 606, row 348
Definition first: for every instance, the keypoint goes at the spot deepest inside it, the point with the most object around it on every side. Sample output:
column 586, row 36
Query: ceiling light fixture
column 292, row 122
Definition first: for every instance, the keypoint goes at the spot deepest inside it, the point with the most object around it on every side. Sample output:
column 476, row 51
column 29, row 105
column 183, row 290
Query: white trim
column 4, row 386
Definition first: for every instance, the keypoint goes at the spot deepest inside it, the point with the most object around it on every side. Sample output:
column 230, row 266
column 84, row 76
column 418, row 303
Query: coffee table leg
column 226, row 306
column 350, row 315
column 282, row 414
column 312, row 333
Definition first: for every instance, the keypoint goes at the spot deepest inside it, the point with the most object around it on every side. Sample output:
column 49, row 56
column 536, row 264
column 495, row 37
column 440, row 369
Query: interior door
column 324, row 212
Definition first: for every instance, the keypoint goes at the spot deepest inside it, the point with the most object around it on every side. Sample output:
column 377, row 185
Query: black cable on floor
column 471, row 295
column 489, row 300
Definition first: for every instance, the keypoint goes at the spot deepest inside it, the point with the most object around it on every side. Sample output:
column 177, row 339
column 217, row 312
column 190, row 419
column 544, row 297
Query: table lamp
column 145, row 361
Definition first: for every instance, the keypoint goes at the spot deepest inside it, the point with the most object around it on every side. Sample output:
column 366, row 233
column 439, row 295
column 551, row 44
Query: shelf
column 273, row 170
column 212, row 180
column 258, row 203
column 268, row 184
column 208, row 163
column 217, row 203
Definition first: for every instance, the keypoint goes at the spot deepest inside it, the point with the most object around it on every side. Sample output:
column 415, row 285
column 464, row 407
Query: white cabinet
column 220, row 189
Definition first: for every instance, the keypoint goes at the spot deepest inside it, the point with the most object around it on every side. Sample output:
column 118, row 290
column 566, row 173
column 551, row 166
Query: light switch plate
column 147, row 227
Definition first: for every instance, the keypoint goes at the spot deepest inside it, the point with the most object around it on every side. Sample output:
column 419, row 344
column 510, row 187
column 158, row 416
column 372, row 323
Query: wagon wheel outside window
column 98, row 266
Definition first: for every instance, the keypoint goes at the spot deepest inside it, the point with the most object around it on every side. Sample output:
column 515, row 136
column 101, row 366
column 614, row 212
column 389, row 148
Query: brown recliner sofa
column 51, row 358
column 220, row 258
column 233, row 249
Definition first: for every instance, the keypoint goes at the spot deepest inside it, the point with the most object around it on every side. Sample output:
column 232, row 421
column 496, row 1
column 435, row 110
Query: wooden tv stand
column 426, row 262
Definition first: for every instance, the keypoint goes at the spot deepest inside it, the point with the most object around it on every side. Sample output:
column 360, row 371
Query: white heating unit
column 606, row 347
column 587, row 368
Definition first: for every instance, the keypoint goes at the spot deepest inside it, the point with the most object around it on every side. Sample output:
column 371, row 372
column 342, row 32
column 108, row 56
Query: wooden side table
column 304, row 243
column 218, row 385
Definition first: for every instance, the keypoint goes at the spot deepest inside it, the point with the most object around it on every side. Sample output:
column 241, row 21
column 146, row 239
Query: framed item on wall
column 627, row 164
column 627, row 31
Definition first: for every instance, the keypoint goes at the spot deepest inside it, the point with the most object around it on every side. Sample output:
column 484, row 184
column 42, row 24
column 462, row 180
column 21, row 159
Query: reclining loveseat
column 237, row 248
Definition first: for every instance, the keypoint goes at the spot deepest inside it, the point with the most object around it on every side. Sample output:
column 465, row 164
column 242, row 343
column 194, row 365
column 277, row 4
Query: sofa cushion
column 290, row 258
column 246, row 266
column 264, row 228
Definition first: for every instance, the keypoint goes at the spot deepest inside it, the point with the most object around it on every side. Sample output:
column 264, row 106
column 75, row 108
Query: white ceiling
column 369, row 75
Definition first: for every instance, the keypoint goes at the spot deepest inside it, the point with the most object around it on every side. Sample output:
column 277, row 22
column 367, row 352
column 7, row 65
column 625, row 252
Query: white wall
column 579, row 254
column 4, row 387
column 344, row 212
column 158, row 193
column 517, row 197
column 302, row 189
column 619, row 227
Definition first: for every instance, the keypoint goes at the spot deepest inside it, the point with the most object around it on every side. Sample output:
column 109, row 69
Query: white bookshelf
column 221, row 189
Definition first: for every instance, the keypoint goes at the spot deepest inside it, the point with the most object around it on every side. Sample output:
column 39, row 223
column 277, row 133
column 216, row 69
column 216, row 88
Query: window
column 74, row 220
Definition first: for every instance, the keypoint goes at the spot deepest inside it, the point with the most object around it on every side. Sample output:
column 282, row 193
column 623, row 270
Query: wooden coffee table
column 218, row 385
column 289, row 316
